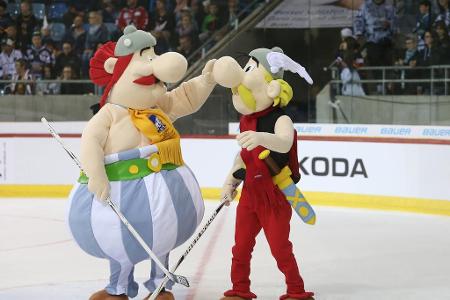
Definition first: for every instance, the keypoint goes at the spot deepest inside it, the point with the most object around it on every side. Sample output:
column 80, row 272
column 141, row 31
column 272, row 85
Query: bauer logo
column 351, row 130
column 397, row 131
column 336, row 167
column 307, row 129
column 436, row 132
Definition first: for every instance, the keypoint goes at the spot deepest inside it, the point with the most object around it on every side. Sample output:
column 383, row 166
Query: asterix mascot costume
column 267, row 164
column 131, row 151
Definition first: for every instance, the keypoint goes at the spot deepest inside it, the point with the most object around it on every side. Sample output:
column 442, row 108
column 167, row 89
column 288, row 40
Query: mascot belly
column 165, row 207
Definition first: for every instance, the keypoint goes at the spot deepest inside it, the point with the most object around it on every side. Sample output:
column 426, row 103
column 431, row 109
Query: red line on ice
column 209, row 249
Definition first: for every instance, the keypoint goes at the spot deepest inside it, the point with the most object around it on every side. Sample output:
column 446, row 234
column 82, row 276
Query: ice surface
column 349, row 254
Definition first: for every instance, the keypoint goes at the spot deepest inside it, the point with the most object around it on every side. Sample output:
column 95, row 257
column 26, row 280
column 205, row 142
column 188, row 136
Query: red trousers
column 254, row 214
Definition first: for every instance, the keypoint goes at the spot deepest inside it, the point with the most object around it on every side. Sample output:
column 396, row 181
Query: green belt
column 128, row 170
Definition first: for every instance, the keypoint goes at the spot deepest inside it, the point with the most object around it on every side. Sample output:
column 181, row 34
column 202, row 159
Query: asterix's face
column 251, row 94
column 252, row 87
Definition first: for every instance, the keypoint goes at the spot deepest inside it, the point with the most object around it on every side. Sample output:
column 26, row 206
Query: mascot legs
column 250, row 219
column 156, row 276
column 121, row 280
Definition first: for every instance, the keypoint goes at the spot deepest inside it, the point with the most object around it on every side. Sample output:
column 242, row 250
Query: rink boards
column 372, row 166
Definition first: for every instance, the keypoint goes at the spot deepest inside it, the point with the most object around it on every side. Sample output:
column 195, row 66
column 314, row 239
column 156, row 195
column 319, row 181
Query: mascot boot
column 103, row 295
column 239, row 298
column 164, row 295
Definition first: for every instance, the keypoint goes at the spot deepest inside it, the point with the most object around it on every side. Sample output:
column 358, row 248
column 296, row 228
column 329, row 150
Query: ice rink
column 348, row 254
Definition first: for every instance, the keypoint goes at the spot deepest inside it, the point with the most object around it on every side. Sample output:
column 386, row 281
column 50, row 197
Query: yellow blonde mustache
column 246, row 96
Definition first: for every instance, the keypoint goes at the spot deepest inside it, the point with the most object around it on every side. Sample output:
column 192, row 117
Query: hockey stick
column 176, row 278
column 194, row 241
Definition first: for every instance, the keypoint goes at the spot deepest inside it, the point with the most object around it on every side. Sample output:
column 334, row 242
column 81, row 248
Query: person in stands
column 133, row 14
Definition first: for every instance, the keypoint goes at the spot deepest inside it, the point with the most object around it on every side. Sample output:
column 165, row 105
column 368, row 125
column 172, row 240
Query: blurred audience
column 38, row 55
column 5, row 18
column 429, row 55
column 30, row 44
column 427, row 44
column 444, row 12
column 163, row 26
column 8, row 58
column 47, row 88
column 96, row 34
column 443, row 42
column 70, row 88
column 67, row 58
column 409, row 59
column 77, row 35
column 46, row 36
column 345, row 33
column 70, row 15
column 410, row 53
column 349, row 62
column 211, row 21
column 22, row 73
column 26, row 24
column 376, row 24
column 231, row 15
column 186, row 46
column 133, row 14
column 181, row 5
column 186, row 26
column 424, row 21
column 109, row 13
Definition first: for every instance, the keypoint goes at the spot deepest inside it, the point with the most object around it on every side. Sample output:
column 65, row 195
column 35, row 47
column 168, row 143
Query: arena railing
column 392, row 95
column 435, row 79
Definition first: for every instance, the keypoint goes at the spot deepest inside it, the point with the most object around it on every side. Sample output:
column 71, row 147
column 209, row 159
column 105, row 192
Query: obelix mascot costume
column 131, row 151
column 267, row 164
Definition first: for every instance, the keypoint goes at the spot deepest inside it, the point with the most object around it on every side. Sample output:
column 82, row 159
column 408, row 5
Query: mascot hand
column 99, row 186
column 228, row 193
column 208, row 71
column 250, row 139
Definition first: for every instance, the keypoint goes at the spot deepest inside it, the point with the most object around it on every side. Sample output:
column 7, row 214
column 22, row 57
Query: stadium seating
column 112, row 28
column 58, row 31
column 13, row 9
column 56, row 11
column 39, row 10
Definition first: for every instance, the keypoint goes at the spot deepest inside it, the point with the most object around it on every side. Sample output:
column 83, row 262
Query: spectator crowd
column 374, row 42
column 42, row 40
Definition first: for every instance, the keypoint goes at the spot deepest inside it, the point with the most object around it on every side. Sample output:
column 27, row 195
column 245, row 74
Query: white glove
column 99, row 186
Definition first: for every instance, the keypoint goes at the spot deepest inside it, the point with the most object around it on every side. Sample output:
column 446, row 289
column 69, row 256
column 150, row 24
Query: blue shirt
column 370, row 21
column 444, row 16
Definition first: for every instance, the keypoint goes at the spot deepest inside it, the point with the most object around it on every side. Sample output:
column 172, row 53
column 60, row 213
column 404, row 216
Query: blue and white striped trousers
column 164, row 207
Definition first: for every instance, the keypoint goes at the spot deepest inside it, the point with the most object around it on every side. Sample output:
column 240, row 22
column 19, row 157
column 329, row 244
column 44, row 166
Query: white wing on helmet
column 279, row 61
